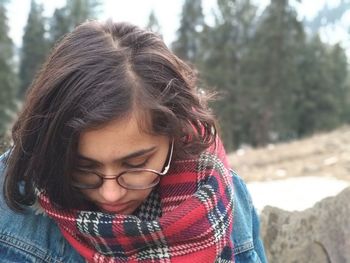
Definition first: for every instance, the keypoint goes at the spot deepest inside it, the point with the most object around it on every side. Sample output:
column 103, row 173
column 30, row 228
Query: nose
column 111, row 191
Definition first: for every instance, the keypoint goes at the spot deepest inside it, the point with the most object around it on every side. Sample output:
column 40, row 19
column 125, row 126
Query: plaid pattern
column 187, row 218
column 150, row 209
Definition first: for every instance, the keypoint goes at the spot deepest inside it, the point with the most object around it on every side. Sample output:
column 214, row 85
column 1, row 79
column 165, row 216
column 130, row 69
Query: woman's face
column 106, row 150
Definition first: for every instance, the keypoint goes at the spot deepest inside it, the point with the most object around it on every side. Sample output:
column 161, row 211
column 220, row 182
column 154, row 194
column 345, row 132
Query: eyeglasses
column 132, row 179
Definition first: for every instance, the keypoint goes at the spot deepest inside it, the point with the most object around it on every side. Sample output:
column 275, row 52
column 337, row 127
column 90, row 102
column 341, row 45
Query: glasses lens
column 85, row 179
column 138, row 179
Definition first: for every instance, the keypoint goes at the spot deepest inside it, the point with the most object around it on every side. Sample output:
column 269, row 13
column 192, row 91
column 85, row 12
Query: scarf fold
column 188, row 218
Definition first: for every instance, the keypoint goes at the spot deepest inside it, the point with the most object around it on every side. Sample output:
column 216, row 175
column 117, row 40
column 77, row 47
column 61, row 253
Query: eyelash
column 86, row 167
column 91, row 167
column 138, row 165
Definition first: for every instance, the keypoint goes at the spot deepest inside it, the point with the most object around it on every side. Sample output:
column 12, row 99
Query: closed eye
column 86, row 167
column 127, row 165
column 83, row 170
column 136, row 165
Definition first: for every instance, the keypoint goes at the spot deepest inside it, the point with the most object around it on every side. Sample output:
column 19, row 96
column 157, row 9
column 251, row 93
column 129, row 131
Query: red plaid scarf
column 192, row 219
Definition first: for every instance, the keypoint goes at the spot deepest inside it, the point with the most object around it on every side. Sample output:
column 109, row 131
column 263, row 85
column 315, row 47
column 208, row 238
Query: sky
column 168, row 14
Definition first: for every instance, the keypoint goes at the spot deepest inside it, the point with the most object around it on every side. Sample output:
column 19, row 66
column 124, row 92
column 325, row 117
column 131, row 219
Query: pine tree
column 339, row 74
column 59, row 24
column 35, row 46
column 153, row 23
column 81, row 10
column 275, row 55
column 223, row 64
column 323, row 71
column 188, row 40
column 346, row 112
column 8, row 80
column 75, row 12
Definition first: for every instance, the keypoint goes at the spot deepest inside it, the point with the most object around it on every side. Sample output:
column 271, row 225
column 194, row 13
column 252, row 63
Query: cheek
column 141, row 195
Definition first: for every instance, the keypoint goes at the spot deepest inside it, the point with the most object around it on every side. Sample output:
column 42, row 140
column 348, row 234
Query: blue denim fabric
column 248, row 246
column 35, row 238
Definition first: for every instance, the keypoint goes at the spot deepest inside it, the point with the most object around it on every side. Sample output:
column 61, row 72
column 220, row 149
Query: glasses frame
column 104, row 177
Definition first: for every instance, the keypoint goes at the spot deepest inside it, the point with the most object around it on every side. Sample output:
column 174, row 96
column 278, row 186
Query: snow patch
column 296, row 193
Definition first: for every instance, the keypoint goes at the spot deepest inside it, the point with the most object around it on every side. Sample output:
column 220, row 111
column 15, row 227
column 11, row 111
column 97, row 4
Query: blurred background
column 280, row 68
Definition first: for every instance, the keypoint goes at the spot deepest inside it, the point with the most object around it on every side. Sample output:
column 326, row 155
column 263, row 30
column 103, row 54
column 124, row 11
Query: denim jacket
column 35, row 238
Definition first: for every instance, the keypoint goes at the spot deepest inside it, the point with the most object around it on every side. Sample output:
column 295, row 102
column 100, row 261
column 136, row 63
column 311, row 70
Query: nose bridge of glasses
column 110, row 173
column 109, row 177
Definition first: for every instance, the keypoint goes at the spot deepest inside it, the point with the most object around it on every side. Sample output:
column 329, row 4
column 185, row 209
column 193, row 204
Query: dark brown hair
column 98, row 73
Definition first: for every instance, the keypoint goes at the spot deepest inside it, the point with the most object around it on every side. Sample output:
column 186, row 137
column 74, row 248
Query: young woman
column 116, row 159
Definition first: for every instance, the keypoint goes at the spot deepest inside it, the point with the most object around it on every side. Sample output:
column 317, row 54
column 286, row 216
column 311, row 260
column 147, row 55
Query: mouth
column 115, row 208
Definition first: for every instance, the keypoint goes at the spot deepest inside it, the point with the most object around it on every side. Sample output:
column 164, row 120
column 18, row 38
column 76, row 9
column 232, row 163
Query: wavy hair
column 98, row 73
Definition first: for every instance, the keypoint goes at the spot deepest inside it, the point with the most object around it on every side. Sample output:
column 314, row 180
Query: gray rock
column 320, row 234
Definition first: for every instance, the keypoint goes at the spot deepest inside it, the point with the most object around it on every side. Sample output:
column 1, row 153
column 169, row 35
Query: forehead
column 117, row 138
column 115, row 131
column 137, row 122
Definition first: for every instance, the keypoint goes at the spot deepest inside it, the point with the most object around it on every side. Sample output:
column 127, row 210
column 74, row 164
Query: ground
column 323, row 155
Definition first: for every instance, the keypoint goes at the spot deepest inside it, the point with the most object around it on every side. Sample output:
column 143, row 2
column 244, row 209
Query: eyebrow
column 126, row 157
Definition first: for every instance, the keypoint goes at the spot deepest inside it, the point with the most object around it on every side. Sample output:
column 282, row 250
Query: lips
column 115, row 208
